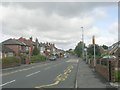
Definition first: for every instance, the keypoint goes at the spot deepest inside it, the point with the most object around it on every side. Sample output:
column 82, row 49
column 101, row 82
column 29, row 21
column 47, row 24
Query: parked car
column 110, row 57
column 65, row 56
column 52, row 58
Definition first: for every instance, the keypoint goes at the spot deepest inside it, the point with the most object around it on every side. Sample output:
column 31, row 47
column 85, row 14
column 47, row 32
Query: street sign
column 93, row 40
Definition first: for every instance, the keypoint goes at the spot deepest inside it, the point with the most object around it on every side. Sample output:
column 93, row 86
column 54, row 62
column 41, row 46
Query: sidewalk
column 87, row 78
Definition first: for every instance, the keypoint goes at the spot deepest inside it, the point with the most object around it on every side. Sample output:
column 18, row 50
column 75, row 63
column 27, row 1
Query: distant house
column 42, row 48
column 47, row 49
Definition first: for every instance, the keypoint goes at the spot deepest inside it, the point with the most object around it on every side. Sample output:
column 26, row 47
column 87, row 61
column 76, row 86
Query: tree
column 90, row 50
column 105, row 47
column 35, row 51
column 78, row 49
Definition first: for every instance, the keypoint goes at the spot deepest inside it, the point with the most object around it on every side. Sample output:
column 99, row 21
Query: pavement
column 88, row 78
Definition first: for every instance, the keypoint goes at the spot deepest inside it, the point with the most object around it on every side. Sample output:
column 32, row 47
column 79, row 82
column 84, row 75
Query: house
column 14, row 45
column 42, row 48
column 47, row 49
column 103, row 51
column 29, row 44
column 7, row 52
column 114, row 49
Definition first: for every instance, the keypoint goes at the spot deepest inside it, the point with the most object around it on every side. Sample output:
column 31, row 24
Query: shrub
column 35, row 51
column 37, row 58
column 9, row 60
column 117, row 75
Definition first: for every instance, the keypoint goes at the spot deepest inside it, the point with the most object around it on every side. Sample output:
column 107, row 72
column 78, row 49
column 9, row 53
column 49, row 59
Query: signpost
column 93, row 40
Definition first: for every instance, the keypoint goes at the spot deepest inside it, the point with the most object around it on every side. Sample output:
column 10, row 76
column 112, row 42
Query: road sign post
column 93, row 39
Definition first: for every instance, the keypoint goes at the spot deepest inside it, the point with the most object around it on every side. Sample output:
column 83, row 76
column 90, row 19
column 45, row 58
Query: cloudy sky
column 60, row 22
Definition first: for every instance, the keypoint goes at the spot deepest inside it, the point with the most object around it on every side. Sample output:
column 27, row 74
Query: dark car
column 52, row 58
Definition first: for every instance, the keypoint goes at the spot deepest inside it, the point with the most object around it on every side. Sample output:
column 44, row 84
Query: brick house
column 29, row 47
column 7, row 52
column 14, row 45
column 29, row 44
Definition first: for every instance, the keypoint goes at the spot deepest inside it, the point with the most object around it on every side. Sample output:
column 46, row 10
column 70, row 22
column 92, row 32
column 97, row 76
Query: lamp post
column 82, row 42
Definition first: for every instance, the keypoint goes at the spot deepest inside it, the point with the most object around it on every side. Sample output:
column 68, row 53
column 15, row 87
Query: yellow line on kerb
column 59, row 78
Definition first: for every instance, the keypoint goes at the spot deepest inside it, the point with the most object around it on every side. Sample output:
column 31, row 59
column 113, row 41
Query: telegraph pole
column 94, row 51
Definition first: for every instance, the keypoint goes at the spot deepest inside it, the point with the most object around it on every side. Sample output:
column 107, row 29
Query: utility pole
column 82, row 42
column 94, row 51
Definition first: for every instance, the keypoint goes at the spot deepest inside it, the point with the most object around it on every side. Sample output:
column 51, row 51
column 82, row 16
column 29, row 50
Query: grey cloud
column 68, row 9
column 51, row 21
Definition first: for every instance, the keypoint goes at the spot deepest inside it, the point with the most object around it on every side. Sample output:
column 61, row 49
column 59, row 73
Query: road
column 51, row 74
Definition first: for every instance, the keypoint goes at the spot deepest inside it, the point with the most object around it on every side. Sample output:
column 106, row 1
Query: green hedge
column 9, row 60
column 37, row 58
column 117, row 75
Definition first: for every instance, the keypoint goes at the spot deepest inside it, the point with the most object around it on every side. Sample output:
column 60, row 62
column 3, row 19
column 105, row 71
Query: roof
column 25, row 41
column 12, row 42
column 114, row 48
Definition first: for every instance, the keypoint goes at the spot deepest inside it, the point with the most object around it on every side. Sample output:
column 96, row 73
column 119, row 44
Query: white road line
column 75, row 61
column 76, row 84
column 32, row 74
column 7, row 83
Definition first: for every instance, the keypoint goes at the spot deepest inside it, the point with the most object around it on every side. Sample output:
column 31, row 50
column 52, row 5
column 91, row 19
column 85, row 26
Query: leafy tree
column 35, row 51
column 91, row 50
column 78, row 49
column 105, row 47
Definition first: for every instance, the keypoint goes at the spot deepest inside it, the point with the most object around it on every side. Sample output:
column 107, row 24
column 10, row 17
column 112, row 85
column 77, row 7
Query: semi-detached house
column 15, row 45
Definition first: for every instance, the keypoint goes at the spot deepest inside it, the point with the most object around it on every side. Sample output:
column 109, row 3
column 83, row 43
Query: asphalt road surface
column 51, row 74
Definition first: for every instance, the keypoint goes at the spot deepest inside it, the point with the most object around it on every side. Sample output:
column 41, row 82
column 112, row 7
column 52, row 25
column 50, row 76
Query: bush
column 117, row 75
column 9, row 60
column 35, row 51
column 37, row 58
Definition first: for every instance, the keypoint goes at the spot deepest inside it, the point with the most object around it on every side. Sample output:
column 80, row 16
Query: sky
column 60, row 22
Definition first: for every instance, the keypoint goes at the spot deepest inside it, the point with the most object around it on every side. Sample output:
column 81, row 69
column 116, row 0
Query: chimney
column 31, row 39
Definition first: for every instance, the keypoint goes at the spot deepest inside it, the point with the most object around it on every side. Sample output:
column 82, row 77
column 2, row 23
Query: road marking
column 7, row 83
column 25, row 69
column 55, row 83
column 59, row 78
column 76, row 84
column 32, row 74
column 72, row 60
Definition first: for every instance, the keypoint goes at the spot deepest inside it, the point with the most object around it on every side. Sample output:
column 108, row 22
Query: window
column 10, row 54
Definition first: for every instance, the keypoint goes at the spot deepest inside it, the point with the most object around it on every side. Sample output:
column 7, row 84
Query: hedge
column 117, row 75
column 37, row 58
column 9, row 60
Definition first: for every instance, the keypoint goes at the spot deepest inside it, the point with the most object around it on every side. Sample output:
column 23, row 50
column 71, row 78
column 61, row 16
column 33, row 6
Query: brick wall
column 15, row 48
column 10, row 65
column 103, row 71
column 107, row 71
column 114, row 64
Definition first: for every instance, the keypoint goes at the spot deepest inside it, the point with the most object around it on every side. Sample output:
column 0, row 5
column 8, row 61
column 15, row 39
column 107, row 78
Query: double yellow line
column 59, row 78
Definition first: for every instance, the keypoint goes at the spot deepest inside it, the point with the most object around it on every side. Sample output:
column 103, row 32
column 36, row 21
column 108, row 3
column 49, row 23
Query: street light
column 82, row 42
